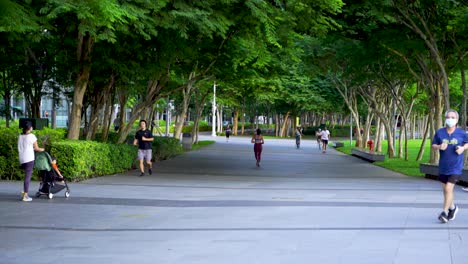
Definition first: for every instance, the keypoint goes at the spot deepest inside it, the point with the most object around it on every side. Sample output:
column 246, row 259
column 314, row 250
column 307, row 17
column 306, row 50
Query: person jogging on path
column 298, row 137
column 144, row 139
column 318, row 134
column 325, row 136
column 451, row 143
column 228, row 133
column 258, row 141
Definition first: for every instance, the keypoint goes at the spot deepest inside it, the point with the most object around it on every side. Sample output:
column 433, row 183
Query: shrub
column 9, row 162
column 166, row 148
column 79, row 160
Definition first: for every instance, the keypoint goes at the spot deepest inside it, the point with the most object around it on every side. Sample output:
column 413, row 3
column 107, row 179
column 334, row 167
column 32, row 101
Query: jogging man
column 451, row 143
column 144, row 139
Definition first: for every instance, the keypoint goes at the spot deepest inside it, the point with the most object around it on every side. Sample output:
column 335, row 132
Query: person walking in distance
column 144, row 139
column 298, row 137
column 228, row 133
column 27, row 144
column 451, row 143
column 324, row 137
column 258, row 141
column 318, row 135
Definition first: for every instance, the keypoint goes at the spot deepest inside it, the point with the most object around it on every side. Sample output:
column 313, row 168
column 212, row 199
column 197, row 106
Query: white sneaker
column 25, row 197
column 465, row 189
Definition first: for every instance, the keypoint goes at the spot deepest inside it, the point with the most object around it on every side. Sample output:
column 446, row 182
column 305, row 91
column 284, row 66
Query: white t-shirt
column 325, row 134
column 26, row 147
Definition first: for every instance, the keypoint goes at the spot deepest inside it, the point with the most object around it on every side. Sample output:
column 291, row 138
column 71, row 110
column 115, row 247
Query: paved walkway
column 214, row 206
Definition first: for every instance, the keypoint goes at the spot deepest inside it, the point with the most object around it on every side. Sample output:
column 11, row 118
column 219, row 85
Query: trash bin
column 37, row 123
column 187, row 141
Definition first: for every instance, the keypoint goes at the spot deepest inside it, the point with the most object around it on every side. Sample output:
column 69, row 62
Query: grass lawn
column 410, row 167
column 202, row 143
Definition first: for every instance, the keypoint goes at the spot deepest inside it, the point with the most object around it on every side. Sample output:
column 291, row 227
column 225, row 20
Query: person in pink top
column 258, row 141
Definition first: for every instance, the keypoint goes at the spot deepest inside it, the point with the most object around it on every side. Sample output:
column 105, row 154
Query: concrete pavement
column 214, row 205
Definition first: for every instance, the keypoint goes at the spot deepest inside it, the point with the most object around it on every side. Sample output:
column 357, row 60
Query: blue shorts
column 444, row 178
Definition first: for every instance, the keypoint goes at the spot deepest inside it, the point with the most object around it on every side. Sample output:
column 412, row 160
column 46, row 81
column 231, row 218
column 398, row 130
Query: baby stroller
column 49, row 179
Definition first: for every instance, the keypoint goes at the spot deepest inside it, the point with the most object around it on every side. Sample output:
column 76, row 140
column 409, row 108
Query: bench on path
column 338, row 144
column 367, row 155
column 431, row 171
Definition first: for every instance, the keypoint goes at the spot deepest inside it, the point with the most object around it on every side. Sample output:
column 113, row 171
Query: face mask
column 450, row 122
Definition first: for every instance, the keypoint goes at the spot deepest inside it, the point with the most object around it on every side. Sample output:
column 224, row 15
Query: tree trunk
column 99, row 98
column 108, row 113
column 379, row 137
column 438, row 108
column 277, row 125
column 151, row 95
column 463, row 110
column 243, row 124
column 219, row 121
column 186, row 94
column 236, row 122
column 284, row 127
column 84, row 47
column 424, row 139
column 121, row 115
column 7, row 97
column 427, row 36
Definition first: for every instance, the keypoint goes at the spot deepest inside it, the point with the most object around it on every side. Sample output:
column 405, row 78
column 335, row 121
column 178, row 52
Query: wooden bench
column 367, row 155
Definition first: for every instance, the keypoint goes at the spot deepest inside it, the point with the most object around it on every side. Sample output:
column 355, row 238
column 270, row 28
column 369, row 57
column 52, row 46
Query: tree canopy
column 294, row 58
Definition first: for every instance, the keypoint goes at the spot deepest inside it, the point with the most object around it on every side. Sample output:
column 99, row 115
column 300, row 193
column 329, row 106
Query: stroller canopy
column 43, row 161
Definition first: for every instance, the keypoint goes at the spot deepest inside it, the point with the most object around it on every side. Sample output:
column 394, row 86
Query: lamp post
column 351, row 130
column 169, row 107
column 213, row 122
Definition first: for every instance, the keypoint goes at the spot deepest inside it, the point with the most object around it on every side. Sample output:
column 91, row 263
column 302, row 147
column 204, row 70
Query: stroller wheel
column 51, row 195
column 67, row 194
column 38, row 194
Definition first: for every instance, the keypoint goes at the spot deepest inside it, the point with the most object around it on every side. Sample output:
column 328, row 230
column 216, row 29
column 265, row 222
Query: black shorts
column 448, row 178
column 325, row 141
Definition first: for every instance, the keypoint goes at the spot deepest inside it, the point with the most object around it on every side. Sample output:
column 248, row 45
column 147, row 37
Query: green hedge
column 9, row 162
column 79, row 159
column 337, row 131
column 166, row 148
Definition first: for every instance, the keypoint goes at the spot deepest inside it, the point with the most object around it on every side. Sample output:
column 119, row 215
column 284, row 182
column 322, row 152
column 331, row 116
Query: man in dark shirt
column 144, row 139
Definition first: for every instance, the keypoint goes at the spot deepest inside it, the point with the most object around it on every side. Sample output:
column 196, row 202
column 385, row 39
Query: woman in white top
column 27, row 144
column 325, row 137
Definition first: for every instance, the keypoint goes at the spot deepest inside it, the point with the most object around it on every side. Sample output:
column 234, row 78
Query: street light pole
column 168, row 120
column 213, row 122
column 351, row 130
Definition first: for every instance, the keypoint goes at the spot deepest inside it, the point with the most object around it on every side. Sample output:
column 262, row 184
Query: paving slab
column 213, row 205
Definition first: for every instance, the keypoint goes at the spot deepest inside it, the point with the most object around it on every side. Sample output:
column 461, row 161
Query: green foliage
column 9, row 141
column 79, row 160
column 17, row 17
column 9, row 162
column 166, row 148
column 410, row 167
column 46, row 136
column 202, row 143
